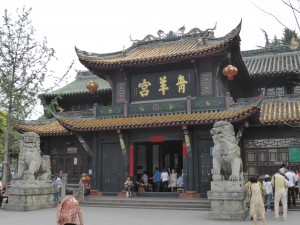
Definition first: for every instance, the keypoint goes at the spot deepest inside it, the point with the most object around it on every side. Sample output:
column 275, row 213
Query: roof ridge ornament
column 208, row 33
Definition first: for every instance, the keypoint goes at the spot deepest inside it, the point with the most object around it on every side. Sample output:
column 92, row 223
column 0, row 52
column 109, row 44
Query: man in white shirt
column 164, row 180
column 290, row 174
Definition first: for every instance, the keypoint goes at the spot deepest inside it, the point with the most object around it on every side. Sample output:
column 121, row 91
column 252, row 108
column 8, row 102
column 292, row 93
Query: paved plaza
column 128, row 216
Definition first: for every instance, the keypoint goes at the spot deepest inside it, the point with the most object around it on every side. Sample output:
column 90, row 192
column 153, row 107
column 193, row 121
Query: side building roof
column 272, row 61
column 78, row 86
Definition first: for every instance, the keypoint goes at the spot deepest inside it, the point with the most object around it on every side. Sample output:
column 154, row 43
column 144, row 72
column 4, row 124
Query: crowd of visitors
column 282, row 187
column 166, row 181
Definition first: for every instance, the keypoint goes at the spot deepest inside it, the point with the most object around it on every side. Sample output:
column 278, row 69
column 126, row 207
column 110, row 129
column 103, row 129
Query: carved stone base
column 228, row 200
column 24, row 195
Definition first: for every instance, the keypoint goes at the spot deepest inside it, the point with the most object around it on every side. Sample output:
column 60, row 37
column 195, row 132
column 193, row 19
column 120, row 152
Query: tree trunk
column 6, row 177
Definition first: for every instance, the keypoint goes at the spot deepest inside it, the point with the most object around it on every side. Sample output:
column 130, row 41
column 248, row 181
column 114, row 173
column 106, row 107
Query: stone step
column 147, row 202
column 153, row 202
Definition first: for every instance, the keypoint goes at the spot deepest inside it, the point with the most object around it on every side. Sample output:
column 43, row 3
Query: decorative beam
column 84, row 144
column 241, row 131
column 122, row 144
column 187, row 141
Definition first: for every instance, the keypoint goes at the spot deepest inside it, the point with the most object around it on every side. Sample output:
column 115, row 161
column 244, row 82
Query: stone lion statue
column 227, row 162
column 31, row 164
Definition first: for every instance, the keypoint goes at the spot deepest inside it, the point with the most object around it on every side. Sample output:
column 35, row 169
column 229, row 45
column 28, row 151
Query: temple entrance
column 148, row 155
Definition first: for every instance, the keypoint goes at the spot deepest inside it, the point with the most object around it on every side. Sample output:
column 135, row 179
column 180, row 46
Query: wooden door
column 205, row 165
column 111, row 167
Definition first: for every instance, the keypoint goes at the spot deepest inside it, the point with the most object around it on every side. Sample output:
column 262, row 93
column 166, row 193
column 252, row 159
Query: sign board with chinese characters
column 109, row 111
column 157, row 108
column 162, row 85
column 294, row 154
column 71, row 150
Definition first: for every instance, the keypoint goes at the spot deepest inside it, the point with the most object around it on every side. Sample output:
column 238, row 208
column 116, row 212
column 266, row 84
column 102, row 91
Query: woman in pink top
column 68, row 211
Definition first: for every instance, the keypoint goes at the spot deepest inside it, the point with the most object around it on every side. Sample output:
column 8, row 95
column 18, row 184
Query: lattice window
column 251, row 157
column 252, row 171
column 272, row 155
column 262, row 157
column 271, row 143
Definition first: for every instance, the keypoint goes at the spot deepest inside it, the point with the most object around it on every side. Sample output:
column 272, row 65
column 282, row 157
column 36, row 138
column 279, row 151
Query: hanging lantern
column 230, row 71
column 92, row 87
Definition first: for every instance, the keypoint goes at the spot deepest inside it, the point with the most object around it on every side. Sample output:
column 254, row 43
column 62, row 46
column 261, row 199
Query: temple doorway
column 149, row 155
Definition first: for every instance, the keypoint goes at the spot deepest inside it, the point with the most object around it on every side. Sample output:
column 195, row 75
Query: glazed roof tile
column 78, row 86
column 272, row 111
column 233, row 115
column 61, row 126
column 272, row 61
column 160, row 51
column 280, row 111
column 52, row 128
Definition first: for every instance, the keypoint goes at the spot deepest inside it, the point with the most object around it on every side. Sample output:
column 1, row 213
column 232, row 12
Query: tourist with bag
column 257, row 207
column 68, row 211
column 280, row 184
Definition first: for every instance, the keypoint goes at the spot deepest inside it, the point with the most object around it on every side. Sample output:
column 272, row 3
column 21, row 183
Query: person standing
column 57, row 185
column 268, row 190
column 1, row 192
column 279, row 183
column 68, row 211
column 164, row 180
column 257, row 207
column 156, row 179
column 173, row 180
column 291, row 189
column 297, row 185
column 145, row 178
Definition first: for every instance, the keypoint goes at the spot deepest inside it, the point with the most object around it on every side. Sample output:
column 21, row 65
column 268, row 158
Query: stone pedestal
column 228, row 200
column 27, row 195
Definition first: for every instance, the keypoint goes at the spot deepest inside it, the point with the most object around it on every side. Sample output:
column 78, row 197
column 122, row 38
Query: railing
column 78, row 189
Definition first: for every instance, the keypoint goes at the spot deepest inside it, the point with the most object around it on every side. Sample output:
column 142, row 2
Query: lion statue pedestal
column 30, row 195
column 228, row 200
column 31, row 188
column 227, row 195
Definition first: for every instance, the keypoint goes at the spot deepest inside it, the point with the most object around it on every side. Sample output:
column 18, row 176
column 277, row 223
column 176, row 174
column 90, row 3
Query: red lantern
column 92, row 87
column 230, row 71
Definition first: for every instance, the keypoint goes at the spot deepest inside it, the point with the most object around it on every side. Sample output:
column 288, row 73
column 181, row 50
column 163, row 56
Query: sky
column 103, row 26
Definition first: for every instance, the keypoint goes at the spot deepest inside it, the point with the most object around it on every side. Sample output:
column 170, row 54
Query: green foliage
column 23, row 64
column 288, row 35
column 14, row 138
column 284, row 40
column 52, row 107
column 23, row 69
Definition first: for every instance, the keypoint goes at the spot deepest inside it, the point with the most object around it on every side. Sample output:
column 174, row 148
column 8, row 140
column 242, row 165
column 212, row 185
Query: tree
column 288, row 33
column 23, row 69
column 2, row 135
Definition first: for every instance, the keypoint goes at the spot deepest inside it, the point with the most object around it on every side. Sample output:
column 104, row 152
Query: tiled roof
column 159, row 51
column 280, row 111
column 78, row 86
column 272, row 111
column 158, row 120
column 52, row 128
column 272, row 61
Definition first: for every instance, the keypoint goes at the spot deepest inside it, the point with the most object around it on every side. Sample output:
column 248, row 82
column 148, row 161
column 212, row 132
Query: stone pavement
column 127, row 216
